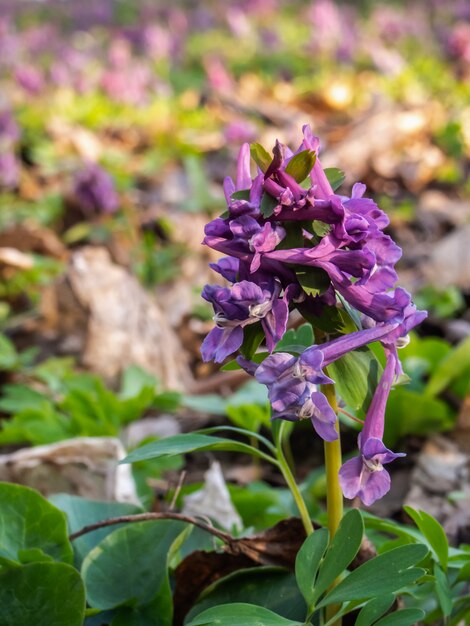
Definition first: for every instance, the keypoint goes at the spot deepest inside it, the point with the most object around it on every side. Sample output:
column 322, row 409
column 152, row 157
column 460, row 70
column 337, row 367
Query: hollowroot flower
column 365, row 476
column 291, row 243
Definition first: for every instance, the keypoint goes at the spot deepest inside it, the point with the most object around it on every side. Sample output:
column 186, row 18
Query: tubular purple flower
column 364, row 475
column 312, row 405
column 243, row 304
column 227, row 267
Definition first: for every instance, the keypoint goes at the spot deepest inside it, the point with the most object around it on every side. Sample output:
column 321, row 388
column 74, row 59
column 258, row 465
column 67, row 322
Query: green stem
column 290, row 480
column 334, row 495
column 333, row 461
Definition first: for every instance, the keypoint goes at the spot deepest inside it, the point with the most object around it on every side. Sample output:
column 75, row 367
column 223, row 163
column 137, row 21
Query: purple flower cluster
column 293, row 243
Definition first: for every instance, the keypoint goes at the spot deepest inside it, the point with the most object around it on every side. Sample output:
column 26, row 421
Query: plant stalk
column 334, row 495
column 333, row 461
column 290, row 480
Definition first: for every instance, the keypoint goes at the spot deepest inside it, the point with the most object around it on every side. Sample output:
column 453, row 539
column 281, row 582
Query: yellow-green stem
column 290, row 480
column 334, row 495
column 333, row 461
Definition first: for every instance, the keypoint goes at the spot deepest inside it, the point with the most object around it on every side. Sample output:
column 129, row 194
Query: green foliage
column 335, row 176
column 441, row 302
column 46, row 594
column 240, row 614
column 273, row 588
column 156, row 263
column 125, row 570
column 313, row 280
column 28, row 522
column 267, row 206
column 29, row 281
column 77, row 405
column 10, row 359
column 82, row 512
column 191, row 442
column 260, row 156
column 368, row 580
column 301, row 164
column 247, row 408
column 456, row 364
column 371, row 587
column 118, row 571
column 296, row 340
column 356, row 376
column 308, row 561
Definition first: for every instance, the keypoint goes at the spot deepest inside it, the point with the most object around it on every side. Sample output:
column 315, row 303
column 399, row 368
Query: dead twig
column 144, row 517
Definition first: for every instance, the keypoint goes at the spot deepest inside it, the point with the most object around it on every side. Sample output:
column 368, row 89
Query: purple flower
column 364, row 475
column 227, row 267
column 239, row 131
column 293, row 397
column 94, row 190
column 9, row 170
column 236, row 307
column 30, row 78
column 9, row 129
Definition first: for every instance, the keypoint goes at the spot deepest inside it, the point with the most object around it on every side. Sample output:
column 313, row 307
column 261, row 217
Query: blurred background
column 119, row 121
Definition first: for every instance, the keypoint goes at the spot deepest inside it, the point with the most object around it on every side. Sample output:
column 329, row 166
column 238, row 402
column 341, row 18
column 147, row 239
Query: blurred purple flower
column 9, row 170
column 94, row 190
column 30, row 79
column 9, row 129
column 239, row 131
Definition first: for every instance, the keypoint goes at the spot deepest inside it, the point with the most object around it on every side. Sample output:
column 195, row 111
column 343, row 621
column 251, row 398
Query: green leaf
column 134, row 380
column 335, row 177
column 320, row 228
column 240, row 614
column 308, row 561
column 267, row 206
column 16, row 398
column 243, row 194
column 260, row 156
column 301, row 164
column 33, row 555
column 374, row 609
column 29, row 521
column 384, row 574
column 38, row 426
column 253, row 335
column 433, row 532
column 341, row 552
column 404, row 617
column 250, row 416
column 9, row 358
column 207, row 403
column 296, row 340
column 167, row 401
column 129, row 567
column 313, row 280
column 450, row 368
column 43, row 594
column 443, row 591
column 82, row 512
column 154, row 614
column 273, row 588
column 182, row 444
column 356, row 377
column 429, row 415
